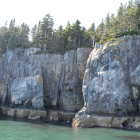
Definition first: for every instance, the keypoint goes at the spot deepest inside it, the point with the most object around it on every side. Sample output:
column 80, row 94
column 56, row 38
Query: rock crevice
column 30, row 80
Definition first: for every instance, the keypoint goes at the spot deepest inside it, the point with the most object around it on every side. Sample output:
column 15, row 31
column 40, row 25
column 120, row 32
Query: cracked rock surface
column 30, row 79
column 111, row 84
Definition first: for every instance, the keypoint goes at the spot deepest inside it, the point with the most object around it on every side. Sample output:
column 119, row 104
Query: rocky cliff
column 106, row 90
column 111, row 85
column 51, row 83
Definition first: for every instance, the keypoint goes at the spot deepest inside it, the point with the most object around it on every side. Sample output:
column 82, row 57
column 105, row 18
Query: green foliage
column 42, row 34
column 126, row 22
column 14, row 36
column 60, row 40
column 4, row 35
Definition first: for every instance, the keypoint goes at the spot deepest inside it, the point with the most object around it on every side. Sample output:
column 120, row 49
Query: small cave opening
column 125, row 123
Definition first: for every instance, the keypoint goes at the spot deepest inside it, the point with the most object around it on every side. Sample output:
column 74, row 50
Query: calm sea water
column 15, row 130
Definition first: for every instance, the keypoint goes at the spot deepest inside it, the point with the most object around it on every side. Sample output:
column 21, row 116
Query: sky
column 31, row 11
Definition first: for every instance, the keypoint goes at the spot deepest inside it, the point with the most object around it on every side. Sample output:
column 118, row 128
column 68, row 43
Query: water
column 14, row 130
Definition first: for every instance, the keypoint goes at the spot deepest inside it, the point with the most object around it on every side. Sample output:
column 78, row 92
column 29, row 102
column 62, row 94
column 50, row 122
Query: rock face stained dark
column 35, row 85
column 111, row 84
column 30, row 79
column 27, row 92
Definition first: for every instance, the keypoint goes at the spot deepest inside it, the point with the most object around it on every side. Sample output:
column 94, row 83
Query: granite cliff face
column 34, row 85
column 111, row 84
column 32, row 80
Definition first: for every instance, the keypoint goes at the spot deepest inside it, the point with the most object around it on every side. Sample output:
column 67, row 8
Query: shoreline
column 56, row 117
column 61, row 123
column 123, row 122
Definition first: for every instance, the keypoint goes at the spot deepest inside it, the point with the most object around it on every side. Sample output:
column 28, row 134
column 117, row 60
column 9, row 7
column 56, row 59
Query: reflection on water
column 13, row 130
column 131, row 137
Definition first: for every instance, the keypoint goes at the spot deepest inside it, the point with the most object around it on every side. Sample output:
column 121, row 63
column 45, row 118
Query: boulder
column 111, row 84
column 37, row 115
column 27, row 89
column 22, row 113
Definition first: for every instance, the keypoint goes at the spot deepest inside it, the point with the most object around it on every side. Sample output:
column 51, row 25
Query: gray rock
column 111, row 84
column 61, row 86
column 3, row 93
column 27, row 89
column 107, row 121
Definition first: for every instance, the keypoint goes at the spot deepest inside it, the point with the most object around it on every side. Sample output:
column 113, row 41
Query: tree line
column 13, row 36
column 125, row 22
column 72, row 36
column 60, row 40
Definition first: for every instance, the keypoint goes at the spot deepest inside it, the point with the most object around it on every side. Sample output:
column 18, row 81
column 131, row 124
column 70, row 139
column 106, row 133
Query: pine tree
column 46, row 31
column 23, row 36
column 4, row 35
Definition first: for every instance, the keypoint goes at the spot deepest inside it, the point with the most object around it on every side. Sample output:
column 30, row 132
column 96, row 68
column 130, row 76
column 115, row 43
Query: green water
column 13, row 130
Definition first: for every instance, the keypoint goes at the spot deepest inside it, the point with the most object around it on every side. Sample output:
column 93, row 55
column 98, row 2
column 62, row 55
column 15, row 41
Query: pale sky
column 31, row 11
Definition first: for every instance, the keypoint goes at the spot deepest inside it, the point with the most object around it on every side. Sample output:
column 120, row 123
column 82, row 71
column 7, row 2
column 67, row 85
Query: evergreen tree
column 100, row 31
column 12, row 41
column 59, row 40
column 4, row 35
column 23, row 36
column 91, row 33
column 46, row 31
column 126, row 22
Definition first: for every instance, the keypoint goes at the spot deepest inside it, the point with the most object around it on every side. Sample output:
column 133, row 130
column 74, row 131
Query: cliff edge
column 31, row 80
column 111, row 85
